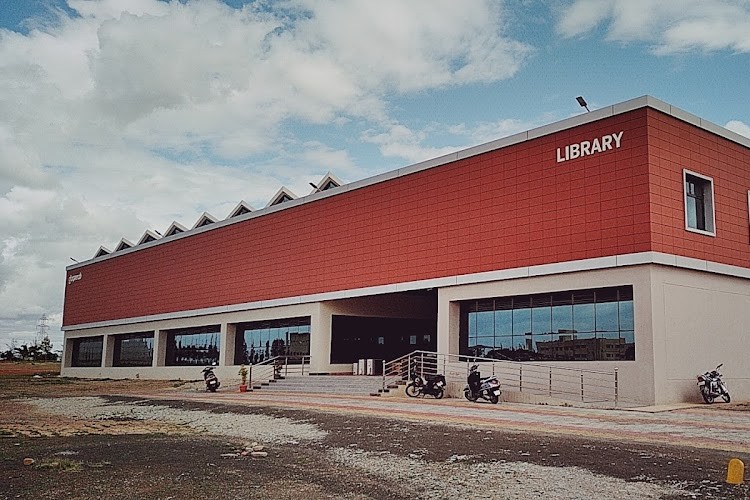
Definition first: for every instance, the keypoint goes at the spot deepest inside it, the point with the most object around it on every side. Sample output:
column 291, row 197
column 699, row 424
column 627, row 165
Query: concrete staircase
column 354, row 385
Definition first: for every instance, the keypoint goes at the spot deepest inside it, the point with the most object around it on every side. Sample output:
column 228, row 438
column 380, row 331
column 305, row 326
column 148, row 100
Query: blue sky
column 118, row 116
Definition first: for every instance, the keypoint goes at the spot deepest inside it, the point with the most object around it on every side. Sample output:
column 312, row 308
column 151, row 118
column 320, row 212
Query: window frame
column 709, row 218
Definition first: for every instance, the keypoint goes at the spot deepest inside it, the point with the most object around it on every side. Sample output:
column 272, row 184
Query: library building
column 617, row 240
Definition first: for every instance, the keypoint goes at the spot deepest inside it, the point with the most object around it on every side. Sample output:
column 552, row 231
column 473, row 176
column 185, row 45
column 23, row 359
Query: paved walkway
column 701, row 427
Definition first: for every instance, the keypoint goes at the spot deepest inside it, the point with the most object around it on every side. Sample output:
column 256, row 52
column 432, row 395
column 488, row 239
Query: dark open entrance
column 358, row 337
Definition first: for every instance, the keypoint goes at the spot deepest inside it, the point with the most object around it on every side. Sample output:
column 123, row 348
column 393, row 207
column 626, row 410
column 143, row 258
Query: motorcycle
column 487, row 388
column 711, row 386
column 210, row 378
column 434, row 385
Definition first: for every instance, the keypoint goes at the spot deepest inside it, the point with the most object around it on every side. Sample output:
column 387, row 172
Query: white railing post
column 520, row 378
column 550, row 381
column 616, row 387
column 582, row 398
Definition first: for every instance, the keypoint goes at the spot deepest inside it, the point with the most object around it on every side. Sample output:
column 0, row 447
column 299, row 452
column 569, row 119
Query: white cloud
column 739, row 127
column 134, row 113
column 672, row 27
column 401, row 142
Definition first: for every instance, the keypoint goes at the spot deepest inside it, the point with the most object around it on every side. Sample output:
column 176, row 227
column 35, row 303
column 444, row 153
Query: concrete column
column 226, row 347
column 448, row 319
column 160, row 348
column 67, row 354
column 108, row 351
column 320, row 340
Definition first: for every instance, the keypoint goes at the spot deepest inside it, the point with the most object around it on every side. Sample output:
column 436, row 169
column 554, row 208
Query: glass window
column 583, row 318
column 595, row 324
column 259, row 341
column 521, row 316
column 193, row 346
column 699, row 205
column 504, row 322
column 541, row 319
column 134, row 349
column 485, row 323
column 87, row 352
column 607, row 317
column 472, row 324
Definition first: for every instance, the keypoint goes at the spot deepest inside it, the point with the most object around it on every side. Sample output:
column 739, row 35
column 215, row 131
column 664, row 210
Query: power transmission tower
column 41, row 329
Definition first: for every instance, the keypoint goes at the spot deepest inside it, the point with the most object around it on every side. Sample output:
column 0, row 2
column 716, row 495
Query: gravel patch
column 262, row 428
column 459, row 477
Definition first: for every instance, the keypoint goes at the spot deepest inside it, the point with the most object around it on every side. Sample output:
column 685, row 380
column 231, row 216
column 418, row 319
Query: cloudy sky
column 118, row 116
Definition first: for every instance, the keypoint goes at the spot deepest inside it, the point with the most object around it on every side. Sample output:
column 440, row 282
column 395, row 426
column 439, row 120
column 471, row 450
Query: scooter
column 487, row 388
column 210, row 378
column 711, row 386
column 434, row 385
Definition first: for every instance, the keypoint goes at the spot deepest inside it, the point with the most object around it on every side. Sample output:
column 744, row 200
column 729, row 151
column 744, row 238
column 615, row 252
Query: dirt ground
column 124, row 458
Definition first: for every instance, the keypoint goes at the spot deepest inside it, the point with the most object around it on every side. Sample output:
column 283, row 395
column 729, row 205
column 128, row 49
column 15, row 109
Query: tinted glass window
column 87, row 352
column 134, row 350
column 259, row 341
column 578, row 325
column 193, row 347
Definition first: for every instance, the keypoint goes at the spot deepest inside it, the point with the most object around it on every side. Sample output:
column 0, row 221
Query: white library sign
column 586, row 148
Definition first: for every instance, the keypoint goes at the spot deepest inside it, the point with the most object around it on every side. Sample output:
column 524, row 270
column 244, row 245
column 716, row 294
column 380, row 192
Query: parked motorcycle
column 487, row 388
column 711, row 386
column 210, row 378
column 433, row 385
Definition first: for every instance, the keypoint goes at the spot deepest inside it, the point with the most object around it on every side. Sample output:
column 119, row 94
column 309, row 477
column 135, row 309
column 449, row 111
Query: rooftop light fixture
column 583, row 103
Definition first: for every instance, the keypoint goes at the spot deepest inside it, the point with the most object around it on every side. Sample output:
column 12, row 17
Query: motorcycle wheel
column 468, row 395
column 439, row 393
column 725, row 396
column 212, row 389
column 411, row 391
column 707, row 397
column 494, row 399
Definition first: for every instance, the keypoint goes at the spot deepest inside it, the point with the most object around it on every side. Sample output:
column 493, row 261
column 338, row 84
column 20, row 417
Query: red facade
column 513, row 207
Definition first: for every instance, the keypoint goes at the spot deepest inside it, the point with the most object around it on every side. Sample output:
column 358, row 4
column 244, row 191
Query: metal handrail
column 550, row 380
column 279, row 364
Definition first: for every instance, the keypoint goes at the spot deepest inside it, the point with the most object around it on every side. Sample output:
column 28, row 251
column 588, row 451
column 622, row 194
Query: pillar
column 227, row 344
column 160, row 348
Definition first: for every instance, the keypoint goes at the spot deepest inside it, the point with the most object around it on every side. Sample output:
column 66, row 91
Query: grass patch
column 62, row 464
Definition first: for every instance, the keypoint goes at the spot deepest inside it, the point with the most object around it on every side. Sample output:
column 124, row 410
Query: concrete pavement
column 694, row 426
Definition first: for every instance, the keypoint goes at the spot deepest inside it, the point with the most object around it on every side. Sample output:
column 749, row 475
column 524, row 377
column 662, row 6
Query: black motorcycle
column 433, row 385
column 711, row 386
column 210, row 378
column 487, row 388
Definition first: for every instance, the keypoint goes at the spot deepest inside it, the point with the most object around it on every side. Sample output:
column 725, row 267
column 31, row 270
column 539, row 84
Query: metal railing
column 573, row 384
column 277, row 367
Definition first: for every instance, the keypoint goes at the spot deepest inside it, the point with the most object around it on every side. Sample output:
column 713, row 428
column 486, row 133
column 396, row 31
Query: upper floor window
column 699, row 203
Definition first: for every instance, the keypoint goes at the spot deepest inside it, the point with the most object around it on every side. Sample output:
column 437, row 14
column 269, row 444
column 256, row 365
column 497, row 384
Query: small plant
column 62, row 464
column 243, row 374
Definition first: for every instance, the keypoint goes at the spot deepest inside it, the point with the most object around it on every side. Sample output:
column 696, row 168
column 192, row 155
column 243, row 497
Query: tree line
column 32, row 351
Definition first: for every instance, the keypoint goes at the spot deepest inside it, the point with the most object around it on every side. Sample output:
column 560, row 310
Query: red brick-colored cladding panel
column 508, row 208
column 675, row 145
